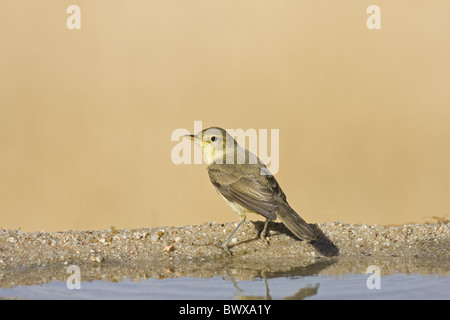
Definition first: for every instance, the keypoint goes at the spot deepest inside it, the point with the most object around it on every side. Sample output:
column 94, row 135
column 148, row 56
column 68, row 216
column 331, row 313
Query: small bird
column 245, row 183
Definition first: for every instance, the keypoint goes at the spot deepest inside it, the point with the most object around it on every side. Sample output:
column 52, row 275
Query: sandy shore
column 37, row 257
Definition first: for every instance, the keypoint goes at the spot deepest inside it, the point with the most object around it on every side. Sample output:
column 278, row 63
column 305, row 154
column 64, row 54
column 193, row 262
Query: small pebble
column 11, row 239
column 168, row 248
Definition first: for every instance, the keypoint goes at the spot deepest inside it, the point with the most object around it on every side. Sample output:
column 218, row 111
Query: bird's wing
column 245, row 185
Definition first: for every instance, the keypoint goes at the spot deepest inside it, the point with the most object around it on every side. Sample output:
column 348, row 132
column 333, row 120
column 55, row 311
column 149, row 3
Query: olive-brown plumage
column 246, row 184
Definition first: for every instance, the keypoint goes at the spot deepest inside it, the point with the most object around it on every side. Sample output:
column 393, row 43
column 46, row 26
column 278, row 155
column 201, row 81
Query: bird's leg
column 224, row 244
column 263, row 233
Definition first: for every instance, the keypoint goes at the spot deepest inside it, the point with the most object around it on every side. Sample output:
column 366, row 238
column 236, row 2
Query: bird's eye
column 213, row 138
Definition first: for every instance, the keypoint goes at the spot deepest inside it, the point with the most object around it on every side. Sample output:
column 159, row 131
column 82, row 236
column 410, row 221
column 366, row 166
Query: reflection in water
column 307, row 291
column 232, row 280
column 233, row 269
column 302, row 293
column 189, row 274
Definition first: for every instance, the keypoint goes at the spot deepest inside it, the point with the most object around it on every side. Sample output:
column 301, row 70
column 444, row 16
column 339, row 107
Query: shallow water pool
column 351, row 286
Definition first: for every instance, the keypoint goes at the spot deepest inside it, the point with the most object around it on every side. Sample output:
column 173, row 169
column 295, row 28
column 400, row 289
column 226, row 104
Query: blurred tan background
column 86, row 115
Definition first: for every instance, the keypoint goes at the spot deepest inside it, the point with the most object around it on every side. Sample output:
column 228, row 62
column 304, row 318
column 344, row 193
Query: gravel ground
column 162, row 252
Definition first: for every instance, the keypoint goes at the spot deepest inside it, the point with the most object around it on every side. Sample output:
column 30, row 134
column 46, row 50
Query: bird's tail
column 295, row 223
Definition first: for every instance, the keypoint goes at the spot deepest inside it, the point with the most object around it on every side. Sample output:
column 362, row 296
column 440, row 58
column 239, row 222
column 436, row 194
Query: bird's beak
column 190, row 136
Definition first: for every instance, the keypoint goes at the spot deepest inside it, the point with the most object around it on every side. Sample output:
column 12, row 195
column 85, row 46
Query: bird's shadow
column 322, row 244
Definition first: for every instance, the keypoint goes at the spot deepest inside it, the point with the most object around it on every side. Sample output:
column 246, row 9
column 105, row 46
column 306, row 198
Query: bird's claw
column 263, row 236
column 264, row 239
column 224, row 246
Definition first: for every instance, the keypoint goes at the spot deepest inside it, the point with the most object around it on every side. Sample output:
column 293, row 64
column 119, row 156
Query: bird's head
column 214, row 142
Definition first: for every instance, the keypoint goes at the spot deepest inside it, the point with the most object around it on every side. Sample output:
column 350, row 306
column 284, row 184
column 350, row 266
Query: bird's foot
column 263, row 233
column 264, row 239
column 224, row 246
